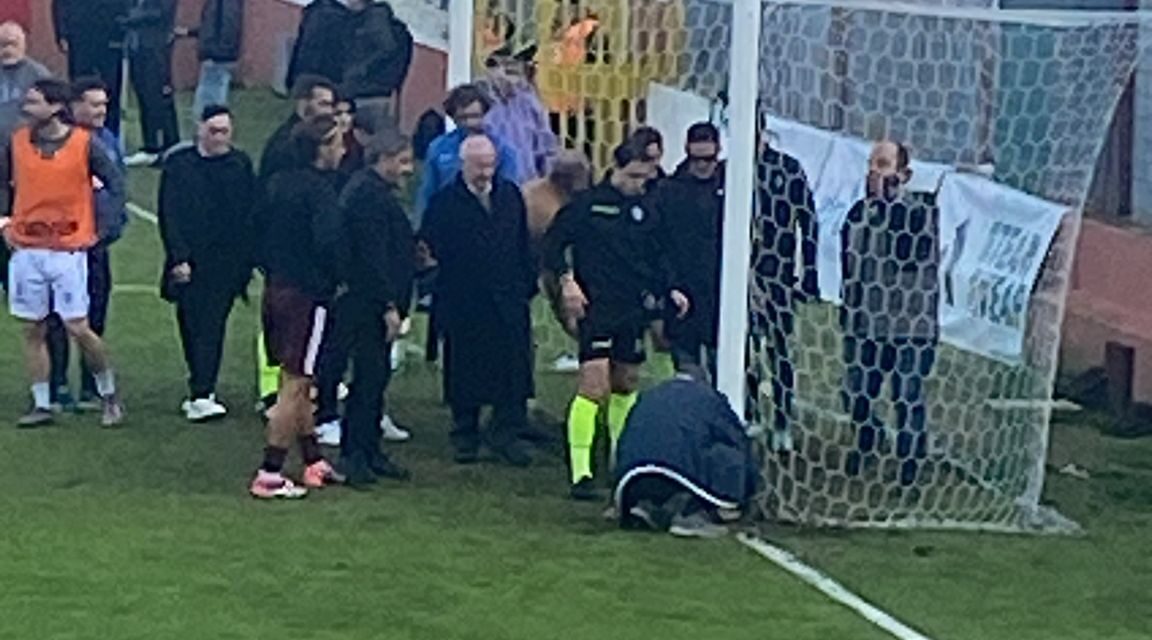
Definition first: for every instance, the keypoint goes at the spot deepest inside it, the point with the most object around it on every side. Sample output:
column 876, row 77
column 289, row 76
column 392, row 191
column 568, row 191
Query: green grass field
column 147, row 532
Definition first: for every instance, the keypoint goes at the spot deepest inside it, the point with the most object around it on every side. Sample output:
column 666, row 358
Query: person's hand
column 181, row 32
column 572, row 298
column 392, row 324
column 182, row 273
column 683, row 306
column 62, row 45
column 424, row 258
column 97, row 183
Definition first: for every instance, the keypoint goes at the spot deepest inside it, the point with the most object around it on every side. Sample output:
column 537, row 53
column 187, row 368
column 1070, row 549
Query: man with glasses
column 691, row 206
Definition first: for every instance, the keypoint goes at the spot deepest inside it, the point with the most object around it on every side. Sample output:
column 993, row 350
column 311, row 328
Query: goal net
column 901, row 349
column 915, row 388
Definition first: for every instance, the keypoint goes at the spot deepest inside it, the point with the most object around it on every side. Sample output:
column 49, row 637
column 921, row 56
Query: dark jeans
column 202, row 315
column 59, row 351
column 508, row 420
column 97, row 58
column 869, row 362
column 371, row 373
column 151, row 69
column 332, row 361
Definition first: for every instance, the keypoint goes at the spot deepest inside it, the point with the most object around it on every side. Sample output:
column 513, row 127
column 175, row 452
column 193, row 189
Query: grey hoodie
column 15, row 81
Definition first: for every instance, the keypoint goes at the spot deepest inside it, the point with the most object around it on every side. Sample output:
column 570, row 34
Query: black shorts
column 621, row 342
column 293, row 329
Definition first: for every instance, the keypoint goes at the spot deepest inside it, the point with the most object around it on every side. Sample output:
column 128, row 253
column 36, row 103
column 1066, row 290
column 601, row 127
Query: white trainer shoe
column 566, row 363
column 393, row 433
column 203, row 410
column 141, row 159
column 328, row 434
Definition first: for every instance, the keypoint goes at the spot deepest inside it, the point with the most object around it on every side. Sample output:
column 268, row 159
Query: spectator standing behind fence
column 890, row 259
column 150, row 25
column 91, row 34
column 379, row 55
column 518, row 118
column 220, row 35
column 207, row 195
column 322, row 40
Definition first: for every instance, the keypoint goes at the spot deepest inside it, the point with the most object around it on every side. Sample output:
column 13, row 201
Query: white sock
column 105, row 383
column 42, row 395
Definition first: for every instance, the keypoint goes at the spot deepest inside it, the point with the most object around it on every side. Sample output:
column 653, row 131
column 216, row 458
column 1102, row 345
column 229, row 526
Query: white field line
column 141, row 212
column 829, row 587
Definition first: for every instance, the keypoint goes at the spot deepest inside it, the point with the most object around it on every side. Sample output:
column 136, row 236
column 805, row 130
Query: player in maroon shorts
column 301, row 222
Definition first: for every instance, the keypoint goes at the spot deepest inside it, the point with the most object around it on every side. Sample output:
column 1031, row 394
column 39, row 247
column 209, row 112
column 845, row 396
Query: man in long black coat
column 476, row 227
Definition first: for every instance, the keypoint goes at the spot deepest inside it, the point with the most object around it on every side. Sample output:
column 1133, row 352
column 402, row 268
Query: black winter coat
column 692, row 212
column 485, row 285
column 381, row 263
column 221, row 30
column 379, row 54
column 321, row 42
column 207, row 219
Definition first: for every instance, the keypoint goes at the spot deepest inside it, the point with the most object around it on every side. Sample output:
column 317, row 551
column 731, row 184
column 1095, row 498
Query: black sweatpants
column 151, row 69
column 96, row 57
column 371, row 373
column 99, row 295
column 202, row 315
column 332, row 360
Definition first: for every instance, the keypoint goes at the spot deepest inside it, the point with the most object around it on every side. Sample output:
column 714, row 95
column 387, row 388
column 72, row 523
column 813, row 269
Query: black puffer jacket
column 221, row 30
column 321, row 42
column 379, row 54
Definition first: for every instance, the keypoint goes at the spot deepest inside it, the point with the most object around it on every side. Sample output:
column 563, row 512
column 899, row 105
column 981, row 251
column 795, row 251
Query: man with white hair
column 17, row 74
column 476, row 227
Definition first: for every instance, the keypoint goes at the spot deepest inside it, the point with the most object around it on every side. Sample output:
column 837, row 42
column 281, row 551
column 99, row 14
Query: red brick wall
column 18, row 10
column 267, row 22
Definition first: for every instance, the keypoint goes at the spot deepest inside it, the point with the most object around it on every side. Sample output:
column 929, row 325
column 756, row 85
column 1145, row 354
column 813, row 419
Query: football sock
column 105, row 383
column 269, row 377
column 581, row 434
column 619, row 406
column 274, row 459
column 42, row 395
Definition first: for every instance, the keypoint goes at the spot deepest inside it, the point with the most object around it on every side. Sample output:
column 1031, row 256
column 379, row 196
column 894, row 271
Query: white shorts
column 41, row 281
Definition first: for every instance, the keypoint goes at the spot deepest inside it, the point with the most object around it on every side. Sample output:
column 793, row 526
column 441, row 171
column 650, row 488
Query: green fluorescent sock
column 581, row 434
column 619, row 406
column 269, row 376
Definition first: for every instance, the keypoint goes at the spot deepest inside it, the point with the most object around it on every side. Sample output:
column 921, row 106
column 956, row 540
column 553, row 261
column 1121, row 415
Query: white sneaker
column 393, row 433
column 566, row 363
column 397, row 356
column 203, row 410
column 328, row 434
column 141, row 159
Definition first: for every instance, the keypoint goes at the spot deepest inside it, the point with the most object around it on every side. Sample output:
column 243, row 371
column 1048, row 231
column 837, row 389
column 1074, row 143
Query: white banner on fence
column 1000, row 237
column 993, row 238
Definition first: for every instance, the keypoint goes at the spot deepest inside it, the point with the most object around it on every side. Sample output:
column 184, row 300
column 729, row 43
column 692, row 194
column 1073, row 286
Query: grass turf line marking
column 829, row 587
column 141, row 212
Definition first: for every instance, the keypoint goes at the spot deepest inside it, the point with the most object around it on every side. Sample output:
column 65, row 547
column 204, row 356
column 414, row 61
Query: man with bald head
column 569, row 174
column 17, row 74
column 476, row 227
column 890, row 246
